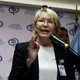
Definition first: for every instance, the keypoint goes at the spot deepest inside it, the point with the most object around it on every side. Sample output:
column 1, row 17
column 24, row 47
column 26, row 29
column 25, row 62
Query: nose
column 45, row 23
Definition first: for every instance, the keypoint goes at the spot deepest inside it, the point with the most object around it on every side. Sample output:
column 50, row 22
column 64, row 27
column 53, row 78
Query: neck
column 44, row 41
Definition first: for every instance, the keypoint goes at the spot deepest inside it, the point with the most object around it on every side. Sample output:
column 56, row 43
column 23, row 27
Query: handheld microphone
column 58, row 41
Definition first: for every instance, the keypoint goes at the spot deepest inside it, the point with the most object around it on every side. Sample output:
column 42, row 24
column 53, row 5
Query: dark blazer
column 20, row 71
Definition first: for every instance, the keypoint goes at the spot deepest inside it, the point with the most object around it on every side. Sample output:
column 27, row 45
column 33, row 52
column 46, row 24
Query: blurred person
column 63, row 35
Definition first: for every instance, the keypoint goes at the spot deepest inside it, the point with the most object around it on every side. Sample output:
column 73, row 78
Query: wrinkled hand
column 33, row 49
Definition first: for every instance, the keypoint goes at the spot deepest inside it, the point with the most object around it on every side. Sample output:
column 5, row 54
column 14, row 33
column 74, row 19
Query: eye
column 40, row 20
column 50, row 21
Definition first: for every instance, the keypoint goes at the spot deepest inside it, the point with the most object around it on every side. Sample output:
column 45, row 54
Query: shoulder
column 22, row 45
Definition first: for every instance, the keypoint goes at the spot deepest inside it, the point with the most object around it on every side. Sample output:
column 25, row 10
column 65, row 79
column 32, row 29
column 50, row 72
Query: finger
column 36, row 45
column 34, row 38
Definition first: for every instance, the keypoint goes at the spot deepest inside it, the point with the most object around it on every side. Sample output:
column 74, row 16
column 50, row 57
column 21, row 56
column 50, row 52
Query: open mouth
column 45, row 31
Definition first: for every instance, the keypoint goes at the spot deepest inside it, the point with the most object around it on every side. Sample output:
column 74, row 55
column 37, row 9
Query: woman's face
column 45, row 26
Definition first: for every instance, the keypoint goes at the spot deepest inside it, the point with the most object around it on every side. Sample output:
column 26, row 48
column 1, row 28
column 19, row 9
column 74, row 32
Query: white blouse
column 47, row 64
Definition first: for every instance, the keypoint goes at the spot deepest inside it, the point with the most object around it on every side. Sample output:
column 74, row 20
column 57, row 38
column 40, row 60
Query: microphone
column 58, row 41
column 63, row 44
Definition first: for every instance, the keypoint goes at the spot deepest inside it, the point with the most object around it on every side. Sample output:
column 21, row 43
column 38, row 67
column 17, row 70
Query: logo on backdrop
column 13, row 10
column 72, row 31
column 1, row 58
column 15, row 26
column 1, row 42
column 60, row 14
column 1, row 23
column 30, row 27
column 13, row 41
column 30, row 11
column 2, row 9
column 1, row 78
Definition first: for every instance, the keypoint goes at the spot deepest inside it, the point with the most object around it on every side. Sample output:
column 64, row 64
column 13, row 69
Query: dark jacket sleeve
column 19, row 68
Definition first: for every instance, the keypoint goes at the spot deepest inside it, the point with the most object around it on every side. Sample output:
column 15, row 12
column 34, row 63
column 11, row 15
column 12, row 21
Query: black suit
column 20, row 70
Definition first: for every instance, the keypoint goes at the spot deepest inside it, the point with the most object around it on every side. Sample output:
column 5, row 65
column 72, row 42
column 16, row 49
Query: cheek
column 37, row 27
column 53, row 29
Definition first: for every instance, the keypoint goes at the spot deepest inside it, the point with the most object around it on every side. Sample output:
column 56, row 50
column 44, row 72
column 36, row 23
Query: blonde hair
column 52, row 13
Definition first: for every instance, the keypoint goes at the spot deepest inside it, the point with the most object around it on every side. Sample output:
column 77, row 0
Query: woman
column 41, row 58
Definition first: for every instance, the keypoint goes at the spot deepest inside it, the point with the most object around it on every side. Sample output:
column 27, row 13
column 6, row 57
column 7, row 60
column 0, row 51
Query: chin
column 45, row 36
